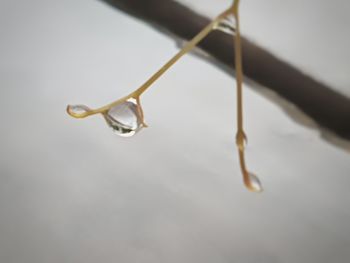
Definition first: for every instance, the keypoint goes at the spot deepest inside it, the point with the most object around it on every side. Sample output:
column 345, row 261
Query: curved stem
column 137, row 93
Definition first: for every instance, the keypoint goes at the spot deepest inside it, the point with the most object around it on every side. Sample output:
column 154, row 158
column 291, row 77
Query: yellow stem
column 187, row 48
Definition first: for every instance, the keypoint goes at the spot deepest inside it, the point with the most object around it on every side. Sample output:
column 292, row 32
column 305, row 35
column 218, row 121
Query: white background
column 72, row 191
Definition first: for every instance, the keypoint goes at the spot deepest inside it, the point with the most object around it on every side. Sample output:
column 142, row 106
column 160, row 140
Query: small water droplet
column 241, row 140
column 254, row 183
column 77, row 110
column 227, row 25
column 125, row 118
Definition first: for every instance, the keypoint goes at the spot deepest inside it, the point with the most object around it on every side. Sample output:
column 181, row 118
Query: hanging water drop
column 125, row 119
column 253, row 183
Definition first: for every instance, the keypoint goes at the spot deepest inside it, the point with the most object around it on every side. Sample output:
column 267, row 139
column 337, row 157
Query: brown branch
column 324, row 105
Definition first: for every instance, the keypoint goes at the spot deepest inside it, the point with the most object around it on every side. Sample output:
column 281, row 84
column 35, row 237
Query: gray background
column 71, row 191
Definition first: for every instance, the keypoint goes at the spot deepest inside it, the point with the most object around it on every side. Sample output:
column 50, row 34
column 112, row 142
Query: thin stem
column 137, row 93
column 239, row 70
column 187, row 48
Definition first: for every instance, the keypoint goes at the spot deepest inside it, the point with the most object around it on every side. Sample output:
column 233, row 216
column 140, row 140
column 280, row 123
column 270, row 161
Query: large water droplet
column 77, row 110
column 227, row 25
column 125, row 118
column 254, row 183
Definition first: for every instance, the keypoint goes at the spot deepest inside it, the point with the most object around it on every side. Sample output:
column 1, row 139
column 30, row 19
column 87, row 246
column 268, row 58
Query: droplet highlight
column 125, row 119
column 253, row 183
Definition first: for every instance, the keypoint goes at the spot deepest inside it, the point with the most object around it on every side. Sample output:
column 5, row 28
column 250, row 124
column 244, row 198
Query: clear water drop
column 77, row 110
column 125, row 118
column 254, row 183
column 241, row 140
column 227, row 25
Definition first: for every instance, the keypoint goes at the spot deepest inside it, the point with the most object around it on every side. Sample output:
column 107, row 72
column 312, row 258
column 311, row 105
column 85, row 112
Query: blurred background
column 72, row 191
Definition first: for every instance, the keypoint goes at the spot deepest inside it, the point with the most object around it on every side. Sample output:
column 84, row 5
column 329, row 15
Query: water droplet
column 77, row 111
column 125, row 118
column 241, row 140
column 253, row 183
column 227, row 25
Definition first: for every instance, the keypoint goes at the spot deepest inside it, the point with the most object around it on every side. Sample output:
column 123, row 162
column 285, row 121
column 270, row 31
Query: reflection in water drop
column 254, row 183
column 227, row 25
column 125, row 118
